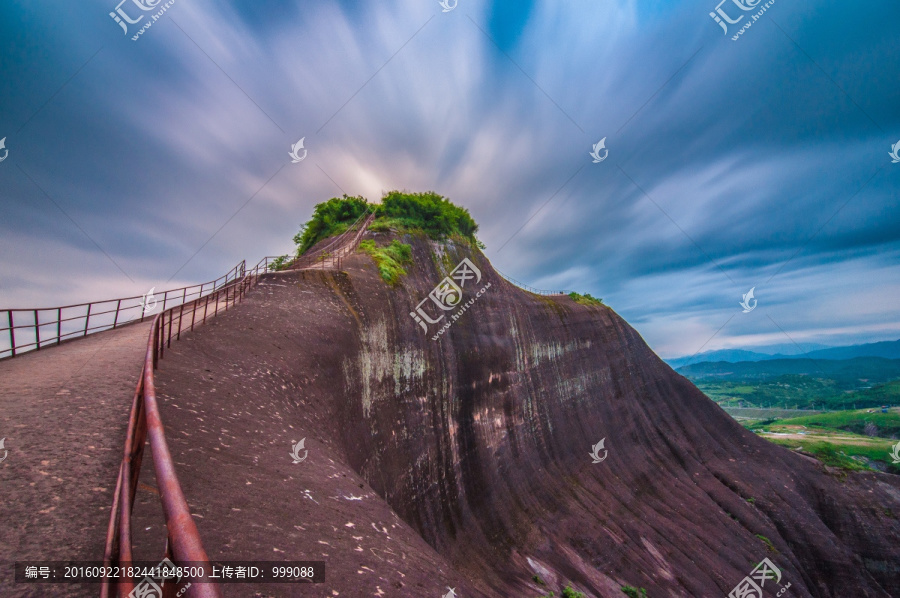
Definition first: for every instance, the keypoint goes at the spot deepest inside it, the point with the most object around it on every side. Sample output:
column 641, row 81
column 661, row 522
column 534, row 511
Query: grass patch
column 390, row 259
column 386, row 225
column 827, row 453
column 568, row 592
column 585, row 299
column 885, row 425
column 768, row 543
column 537, row 579
column 633, row 592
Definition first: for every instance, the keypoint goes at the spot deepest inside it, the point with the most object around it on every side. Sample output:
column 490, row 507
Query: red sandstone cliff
column 478, row 442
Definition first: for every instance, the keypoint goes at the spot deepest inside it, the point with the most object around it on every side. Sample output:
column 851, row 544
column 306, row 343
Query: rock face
column 480, row 440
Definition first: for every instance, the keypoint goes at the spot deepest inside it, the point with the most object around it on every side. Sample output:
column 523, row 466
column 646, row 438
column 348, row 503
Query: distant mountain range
column 886, row 349
column 846, row 372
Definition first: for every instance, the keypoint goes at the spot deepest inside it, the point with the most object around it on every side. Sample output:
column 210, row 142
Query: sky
column 757, row 161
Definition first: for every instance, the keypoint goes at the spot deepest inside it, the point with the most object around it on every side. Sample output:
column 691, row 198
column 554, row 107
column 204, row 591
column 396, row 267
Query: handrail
column 96, row 317
column 183, row 542
column 183, row 539
column 320, row 257
column 529, row 288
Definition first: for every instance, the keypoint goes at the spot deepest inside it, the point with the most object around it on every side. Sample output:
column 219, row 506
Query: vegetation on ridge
column 585, row 299
column 433, row 214
column 429, row 212
column 330, row 218
column 390, row 259
column 567, row 592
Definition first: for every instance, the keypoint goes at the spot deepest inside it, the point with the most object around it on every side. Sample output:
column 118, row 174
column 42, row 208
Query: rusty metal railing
column 529, row 288
column 332, row 255
column 31, row 329
column 183, row 544
column 183, row 540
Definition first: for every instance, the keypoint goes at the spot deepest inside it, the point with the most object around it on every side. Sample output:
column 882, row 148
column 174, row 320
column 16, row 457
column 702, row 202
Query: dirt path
column 63, row 412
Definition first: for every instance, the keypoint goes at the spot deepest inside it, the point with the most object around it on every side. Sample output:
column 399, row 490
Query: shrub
column 279, row 263
column 429, row 212
column 585, row 299
column 390, row 259
column 568, row 592
column 633, row 592
column 329, row 218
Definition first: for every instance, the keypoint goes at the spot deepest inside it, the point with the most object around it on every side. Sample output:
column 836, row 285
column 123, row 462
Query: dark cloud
column 761, row 162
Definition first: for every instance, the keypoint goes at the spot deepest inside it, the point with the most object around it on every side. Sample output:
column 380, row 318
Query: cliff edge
column 469, row 451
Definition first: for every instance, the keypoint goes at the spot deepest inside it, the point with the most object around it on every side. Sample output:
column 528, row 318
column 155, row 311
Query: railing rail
column 183, row 542
column 529, row 288
column 331, row 256
column 32, row 329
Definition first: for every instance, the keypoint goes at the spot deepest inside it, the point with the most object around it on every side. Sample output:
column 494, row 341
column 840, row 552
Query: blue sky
column 761, row 162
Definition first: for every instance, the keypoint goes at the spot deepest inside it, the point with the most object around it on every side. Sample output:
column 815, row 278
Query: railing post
column 87, row 319
column 180, row 317
column 12, row 333
column 116, row 319
column 58, row 325
column 194, row 311
column 156, row 349
column 169, row 335
column 37, row 331
column 205, row 307
column 159, row 336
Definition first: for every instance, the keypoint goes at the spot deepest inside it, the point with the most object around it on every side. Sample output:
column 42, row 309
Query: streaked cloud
column 759, row 163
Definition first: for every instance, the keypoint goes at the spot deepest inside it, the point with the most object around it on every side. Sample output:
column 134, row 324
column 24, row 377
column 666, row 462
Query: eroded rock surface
column 464, row 461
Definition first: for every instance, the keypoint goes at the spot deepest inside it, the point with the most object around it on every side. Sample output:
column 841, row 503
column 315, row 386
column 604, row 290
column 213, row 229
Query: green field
column 829, row 409
column 863, row 382
column 794, row 391
column 853, row 440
